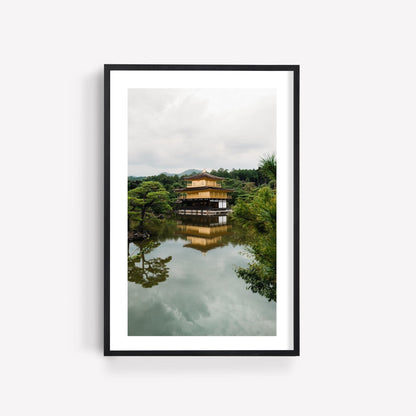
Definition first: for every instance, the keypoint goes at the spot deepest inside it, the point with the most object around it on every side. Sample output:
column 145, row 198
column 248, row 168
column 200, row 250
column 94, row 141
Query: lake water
column 182, row 281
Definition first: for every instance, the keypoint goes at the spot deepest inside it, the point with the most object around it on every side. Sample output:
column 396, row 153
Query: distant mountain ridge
column 187, row 172
column 184, row 173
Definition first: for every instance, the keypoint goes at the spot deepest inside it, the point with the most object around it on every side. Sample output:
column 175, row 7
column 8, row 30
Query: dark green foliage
column 170, row 183
column 268, row 166
column 237, row 179
column 133, row 183
column 243, row 175
column 149, row 197
column 256, row 212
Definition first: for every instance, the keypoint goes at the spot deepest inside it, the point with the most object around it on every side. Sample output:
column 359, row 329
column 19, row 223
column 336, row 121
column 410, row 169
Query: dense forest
column 152, row 200
column 243, row 181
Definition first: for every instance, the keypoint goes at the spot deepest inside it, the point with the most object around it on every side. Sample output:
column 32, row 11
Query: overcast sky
column 171, row 130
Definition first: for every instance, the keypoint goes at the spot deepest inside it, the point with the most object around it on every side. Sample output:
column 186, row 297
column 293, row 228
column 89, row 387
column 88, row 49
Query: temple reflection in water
column 203, row 233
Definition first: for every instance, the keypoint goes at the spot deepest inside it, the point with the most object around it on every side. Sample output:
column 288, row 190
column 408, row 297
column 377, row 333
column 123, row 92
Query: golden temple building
column 203, row 196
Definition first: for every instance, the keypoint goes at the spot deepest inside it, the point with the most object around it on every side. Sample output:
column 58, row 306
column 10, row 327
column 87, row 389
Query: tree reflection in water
column 147, row 273
column 206, row 233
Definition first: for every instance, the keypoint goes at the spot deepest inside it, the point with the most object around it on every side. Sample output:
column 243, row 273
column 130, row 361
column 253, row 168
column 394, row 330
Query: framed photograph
column 201, row 217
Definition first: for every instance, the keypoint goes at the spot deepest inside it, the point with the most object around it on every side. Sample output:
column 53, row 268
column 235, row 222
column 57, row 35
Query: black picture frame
column 108, row 68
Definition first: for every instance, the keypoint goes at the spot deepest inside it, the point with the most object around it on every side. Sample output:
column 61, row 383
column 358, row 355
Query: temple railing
column 216, row 211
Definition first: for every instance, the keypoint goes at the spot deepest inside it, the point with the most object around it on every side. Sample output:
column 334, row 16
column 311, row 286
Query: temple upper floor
column 204, row 179
column 204, row 182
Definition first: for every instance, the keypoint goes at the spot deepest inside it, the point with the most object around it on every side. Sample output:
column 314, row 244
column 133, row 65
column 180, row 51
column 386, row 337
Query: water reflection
column 177, row 291
column 147, row 273
column 203, row 233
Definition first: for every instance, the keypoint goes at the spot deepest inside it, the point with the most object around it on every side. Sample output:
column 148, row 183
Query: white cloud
column 177, row 129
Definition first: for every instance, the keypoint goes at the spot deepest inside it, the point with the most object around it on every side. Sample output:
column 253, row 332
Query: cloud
column 177, row 129
column 208, row 300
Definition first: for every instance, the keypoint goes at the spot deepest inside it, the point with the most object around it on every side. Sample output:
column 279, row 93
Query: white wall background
column 358, row 206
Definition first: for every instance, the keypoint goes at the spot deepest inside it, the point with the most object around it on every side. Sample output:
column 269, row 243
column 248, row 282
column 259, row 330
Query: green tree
column 133, row 183
column 148, row 196
column 268, row 166
column 257, row 216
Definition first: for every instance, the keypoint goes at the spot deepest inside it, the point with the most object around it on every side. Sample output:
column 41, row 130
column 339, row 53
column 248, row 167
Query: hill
column 184, row 173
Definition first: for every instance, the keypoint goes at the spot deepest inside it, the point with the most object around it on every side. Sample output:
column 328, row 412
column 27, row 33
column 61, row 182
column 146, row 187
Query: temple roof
column 201, row 188
column 202, row 248
column 202, row 175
